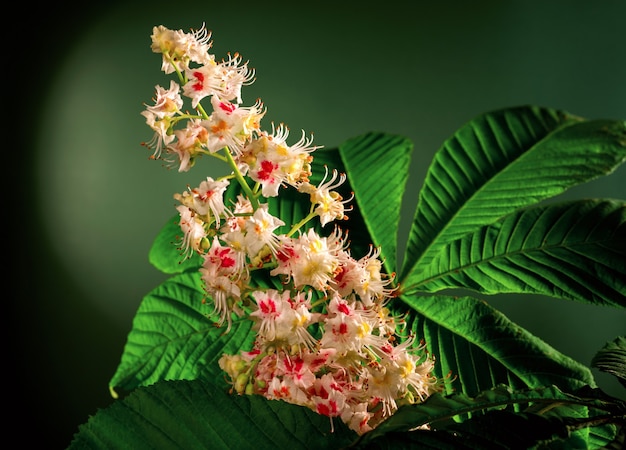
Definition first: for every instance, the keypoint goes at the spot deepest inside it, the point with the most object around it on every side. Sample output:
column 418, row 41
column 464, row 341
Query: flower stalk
column 324, row 339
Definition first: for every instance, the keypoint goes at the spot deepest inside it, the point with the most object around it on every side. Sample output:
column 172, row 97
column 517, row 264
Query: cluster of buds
column 325, row 339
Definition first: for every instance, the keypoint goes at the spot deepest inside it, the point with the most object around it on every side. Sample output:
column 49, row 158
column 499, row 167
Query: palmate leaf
column 500, row 162
column 478, row 347
column 470, row 339
column 574, row 250
column 172, row 337
column 198, row 414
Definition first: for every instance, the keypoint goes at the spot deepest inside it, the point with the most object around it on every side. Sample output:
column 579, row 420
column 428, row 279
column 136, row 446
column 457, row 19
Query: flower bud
column 241, row 383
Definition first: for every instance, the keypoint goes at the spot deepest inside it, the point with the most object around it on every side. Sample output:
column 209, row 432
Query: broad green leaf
column 165, row 253
column 174, row 337
column 612, row 359
column 200, row 415
column 573, row 250
column 443, row 412
column 500, row 162
column 378, row 167
column 477, row 347
column 291, row 207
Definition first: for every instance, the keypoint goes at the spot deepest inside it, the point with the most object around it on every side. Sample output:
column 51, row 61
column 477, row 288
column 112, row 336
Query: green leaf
column 574, row 250
column 557, row 412
column 199, row 415
column 165, row 253
column 173, row 337
column 612, row 359
column 500, row 162
column 378, row 167
column 478, row 347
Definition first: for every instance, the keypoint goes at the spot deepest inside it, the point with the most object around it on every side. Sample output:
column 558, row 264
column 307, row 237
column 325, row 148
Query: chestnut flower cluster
column 325, row 339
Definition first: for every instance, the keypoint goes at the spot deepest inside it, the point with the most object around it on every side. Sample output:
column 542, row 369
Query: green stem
column 321, row 301
column 242, row 181
column 181, row 77
column 299, row 225
column 201, row 110
column 183, row 80
column 218, row 156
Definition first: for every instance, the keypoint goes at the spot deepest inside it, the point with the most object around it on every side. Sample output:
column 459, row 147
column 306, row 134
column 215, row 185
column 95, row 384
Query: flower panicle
column 326, row 339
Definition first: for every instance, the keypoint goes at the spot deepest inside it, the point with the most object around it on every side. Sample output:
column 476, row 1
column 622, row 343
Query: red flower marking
column 286, row 254
column 282, row 392
column 344, row 309
column 227, row 107
column 226, row 260
column 267, row 168
column 268, row 306
column 200, row 84
column 327, row 410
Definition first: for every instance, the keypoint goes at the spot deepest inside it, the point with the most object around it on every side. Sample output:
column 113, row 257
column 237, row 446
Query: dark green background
column 89, row 202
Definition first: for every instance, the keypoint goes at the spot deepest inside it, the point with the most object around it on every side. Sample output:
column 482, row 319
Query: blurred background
column 90, row 202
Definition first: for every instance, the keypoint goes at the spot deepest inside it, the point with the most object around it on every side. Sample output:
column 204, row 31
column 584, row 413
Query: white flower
column 179, row 48
column 232, row 126
column 330, row 205
column 260, row 229
column 192, row 228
